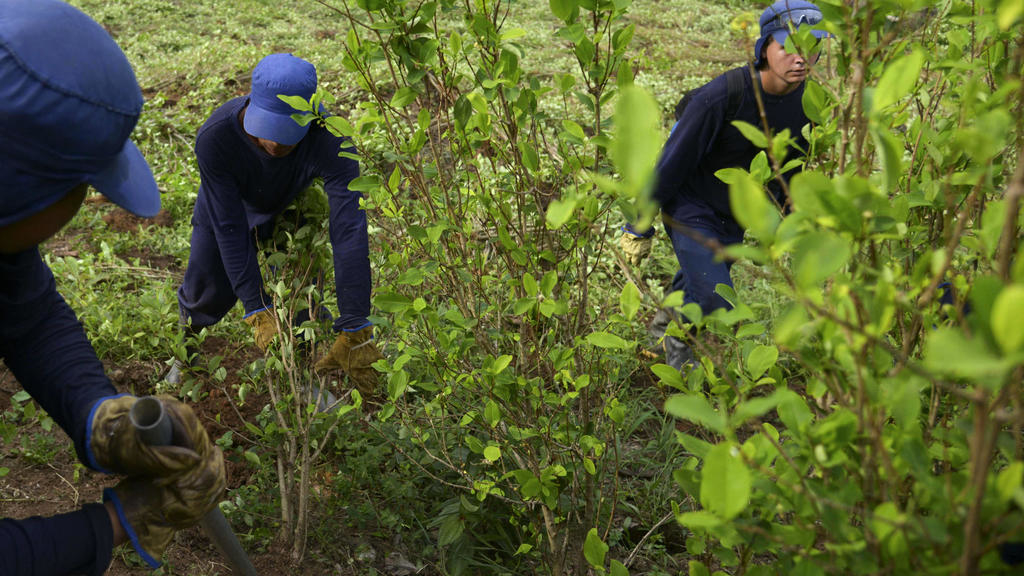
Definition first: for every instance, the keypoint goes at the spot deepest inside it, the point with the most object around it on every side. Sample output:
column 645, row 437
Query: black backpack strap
column 734, row 82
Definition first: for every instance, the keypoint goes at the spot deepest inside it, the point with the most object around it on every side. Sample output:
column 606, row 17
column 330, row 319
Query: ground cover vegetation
column 851, row 414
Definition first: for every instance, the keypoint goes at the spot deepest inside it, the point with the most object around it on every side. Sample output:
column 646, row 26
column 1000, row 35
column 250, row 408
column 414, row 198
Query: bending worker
column 694, row 202
column 68, row 101
column 254, row 160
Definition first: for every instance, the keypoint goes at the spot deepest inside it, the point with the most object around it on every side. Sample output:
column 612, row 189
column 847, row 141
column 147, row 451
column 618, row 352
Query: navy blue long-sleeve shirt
column 703, row 142
column 45, row 347
column 242, row 187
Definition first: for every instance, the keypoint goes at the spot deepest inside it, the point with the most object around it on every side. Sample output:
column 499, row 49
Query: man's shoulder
column 733, row 79
column 221, row 121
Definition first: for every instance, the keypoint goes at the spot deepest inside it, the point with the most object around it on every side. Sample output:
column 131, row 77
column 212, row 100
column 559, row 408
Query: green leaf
column 392, row 302
column 1007, row 316
column 697, row 568
column 492, row 413
column 451, row 529
column 618, row 569
column 761, row 358
column 573, row 129
column 634, row 149
column 403, row 97
column 559, row 212
column 1008, row 13
column 814, row 101
column 948, row 351
column 530, row 158
column 297, row 102
column 725, row 482
column 252, row 458
column 892, row 157
column 752, row 133
column 606, row 340
column 819, row 255
column 700, row 519
column 752, row 208
column 755, row 408
column 793, row 411
column 748, row 330
column 887, row 519
column 697, row 410
column 629, row 300
column 562, row 9
column 897, row 80
column 499, row 365
column 1009, row 481
column 339, row 126
column 669, row 376
column 492, row 453
column 530, row 285
column 594, row 549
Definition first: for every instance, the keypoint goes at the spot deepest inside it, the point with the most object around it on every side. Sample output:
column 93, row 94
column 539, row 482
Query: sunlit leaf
column 898, row 80
column 725, row 482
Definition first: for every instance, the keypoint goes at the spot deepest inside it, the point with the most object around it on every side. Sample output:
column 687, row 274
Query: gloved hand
column 264, row 327
column 116, row 446
column 636, row 248
column 353, row 353
column 151, row 509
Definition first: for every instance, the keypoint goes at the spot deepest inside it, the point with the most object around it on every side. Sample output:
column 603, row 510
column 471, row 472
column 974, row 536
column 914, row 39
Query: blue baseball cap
column 269, row 117
column 776, row 19
column 68, row 102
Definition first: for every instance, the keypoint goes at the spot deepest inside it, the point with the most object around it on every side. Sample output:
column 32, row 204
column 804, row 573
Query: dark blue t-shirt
column 242, row 187
column 702, row 143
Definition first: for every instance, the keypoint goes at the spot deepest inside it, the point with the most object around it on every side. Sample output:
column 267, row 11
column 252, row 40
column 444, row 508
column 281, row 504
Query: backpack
column 734, row 80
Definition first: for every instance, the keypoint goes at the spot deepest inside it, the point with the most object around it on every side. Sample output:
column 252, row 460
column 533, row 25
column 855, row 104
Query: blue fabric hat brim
column 129, row 183
column 273, row 126
column 69, row 100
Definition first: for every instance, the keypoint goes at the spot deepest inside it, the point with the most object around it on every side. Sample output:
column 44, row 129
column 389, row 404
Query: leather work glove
column 353, row 353
column 264, row 327
column 152, row 509
column 117, row 447
column 636, row 248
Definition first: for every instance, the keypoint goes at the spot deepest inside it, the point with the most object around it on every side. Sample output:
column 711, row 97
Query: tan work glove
column 353, row 353
column 264, row 327
column 116, row 447
column 636, row 248
column 151, row 509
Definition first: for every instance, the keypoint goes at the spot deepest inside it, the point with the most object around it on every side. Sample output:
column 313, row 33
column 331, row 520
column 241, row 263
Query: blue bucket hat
column 68, row 102
column 775, row 21
column 269, row 117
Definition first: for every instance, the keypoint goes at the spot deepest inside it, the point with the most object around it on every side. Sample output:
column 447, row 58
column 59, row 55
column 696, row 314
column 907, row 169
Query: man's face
column 32, row 231
column 792, row 68
column 273, row 148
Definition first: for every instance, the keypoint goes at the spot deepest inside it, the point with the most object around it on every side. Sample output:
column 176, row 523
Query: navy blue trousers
column 699, row 272
column 206, row 295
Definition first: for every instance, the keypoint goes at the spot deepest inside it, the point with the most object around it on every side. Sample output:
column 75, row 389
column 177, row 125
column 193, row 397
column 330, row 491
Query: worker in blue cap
column 68, row 102
column 254, row 160
column 695, row 202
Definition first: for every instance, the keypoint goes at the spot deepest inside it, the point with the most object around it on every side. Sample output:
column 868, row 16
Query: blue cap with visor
column 68, row 103
column 777, row 18
column 267, row 116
